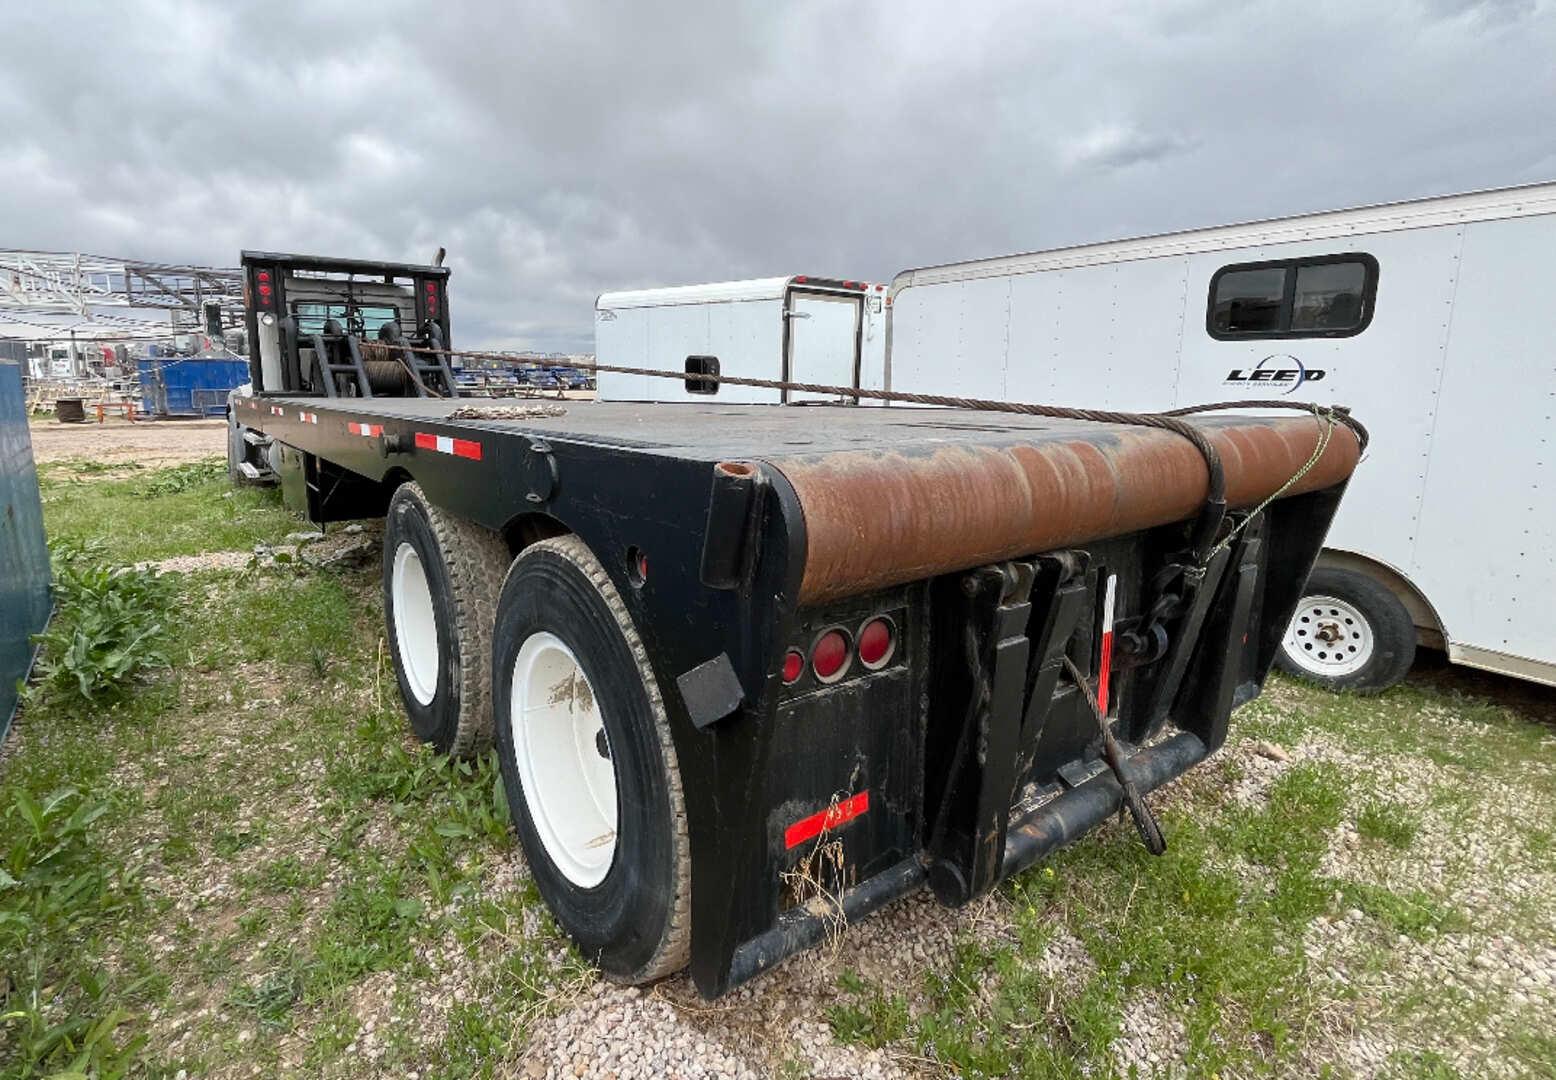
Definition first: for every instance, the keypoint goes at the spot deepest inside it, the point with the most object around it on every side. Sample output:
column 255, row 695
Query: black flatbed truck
column 754, row 671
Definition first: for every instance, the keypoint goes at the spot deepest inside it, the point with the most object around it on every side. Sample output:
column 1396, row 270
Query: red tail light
column 793, row 666
column 829, row 656
column 877, row 642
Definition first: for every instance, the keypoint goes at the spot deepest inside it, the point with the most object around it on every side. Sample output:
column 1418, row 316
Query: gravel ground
column 147, row 443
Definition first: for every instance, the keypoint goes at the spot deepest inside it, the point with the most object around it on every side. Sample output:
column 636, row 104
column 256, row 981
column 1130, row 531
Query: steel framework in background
column 74, row 293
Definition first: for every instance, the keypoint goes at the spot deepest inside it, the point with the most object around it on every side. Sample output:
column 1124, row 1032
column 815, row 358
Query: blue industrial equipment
column 24, row 557
column 189, row 387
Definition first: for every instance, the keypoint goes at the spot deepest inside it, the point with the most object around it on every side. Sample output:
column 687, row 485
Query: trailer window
column 702, row 365
column 1248, row 301
column 1329, row 296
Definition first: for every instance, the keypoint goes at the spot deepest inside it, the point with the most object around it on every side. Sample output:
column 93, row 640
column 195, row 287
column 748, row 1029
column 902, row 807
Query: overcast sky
column 561, row 150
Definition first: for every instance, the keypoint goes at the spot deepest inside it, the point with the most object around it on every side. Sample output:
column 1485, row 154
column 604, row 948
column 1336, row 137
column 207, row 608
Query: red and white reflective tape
column 372, row 431
column 276, row 410
column 308, row 417
column 465, row 448
column 808, row 828
column 1109, row 595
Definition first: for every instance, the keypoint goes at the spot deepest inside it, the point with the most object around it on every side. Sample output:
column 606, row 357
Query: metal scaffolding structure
column 51, row 294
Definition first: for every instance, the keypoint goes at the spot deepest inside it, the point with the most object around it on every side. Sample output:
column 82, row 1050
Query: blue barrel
column 24, row 557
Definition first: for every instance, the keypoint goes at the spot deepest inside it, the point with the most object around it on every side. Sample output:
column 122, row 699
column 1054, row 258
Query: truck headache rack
column 347, row 327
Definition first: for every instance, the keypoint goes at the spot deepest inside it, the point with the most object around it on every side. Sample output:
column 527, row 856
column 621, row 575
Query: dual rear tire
column 540, row 655
column 439, row 605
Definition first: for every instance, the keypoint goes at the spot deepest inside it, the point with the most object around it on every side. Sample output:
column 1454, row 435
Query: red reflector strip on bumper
column 308, row 417
column 1105, row 668
column 276, row 410
column 811, row 827
column 465, row 448
column 370, row 430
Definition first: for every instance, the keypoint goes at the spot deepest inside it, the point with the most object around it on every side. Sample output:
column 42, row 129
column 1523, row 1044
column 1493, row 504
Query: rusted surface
column 874, row 519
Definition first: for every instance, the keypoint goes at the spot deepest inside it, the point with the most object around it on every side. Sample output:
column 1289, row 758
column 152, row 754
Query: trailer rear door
column 823, row 341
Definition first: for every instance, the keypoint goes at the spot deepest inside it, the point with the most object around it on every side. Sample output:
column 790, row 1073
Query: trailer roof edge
column 1492, row 204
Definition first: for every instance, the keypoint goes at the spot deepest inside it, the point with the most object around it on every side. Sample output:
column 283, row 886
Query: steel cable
column 1208, row 530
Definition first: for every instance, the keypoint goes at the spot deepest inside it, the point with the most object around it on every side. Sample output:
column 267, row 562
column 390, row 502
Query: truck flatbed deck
column 721, row 432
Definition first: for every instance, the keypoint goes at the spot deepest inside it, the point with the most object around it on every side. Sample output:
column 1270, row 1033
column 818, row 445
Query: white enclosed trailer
column 798, row 328
column 1423, row 316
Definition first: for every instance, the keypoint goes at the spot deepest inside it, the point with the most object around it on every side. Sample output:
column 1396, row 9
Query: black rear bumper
column 1060, row 821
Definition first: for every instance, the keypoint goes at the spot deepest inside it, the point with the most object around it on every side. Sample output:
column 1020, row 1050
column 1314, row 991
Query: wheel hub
column 1329, row 637
column 564, row 761
column 415, row 624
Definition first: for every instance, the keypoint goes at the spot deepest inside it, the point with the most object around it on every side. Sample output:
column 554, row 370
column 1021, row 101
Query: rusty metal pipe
column 878, row 518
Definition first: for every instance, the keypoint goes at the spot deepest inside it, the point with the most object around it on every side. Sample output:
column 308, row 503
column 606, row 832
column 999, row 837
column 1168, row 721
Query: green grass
column 1387, row 823
column 158, row 513
column 271, row 756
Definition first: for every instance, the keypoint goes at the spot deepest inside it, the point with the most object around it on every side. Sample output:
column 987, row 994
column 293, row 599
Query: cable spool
column 388, row 378
column 69, row 410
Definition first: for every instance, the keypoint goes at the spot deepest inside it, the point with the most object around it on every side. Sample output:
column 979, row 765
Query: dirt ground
column 159, row 442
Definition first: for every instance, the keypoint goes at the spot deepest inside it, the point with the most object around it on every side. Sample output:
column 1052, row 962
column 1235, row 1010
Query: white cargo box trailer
column 798, row 328
column 1422, row 316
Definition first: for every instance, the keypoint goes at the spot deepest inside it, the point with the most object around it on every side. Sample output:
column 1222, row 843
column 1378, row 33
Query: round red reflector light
column 876, row 643
column 793, row 666
column 264, row 276
column 829, row 656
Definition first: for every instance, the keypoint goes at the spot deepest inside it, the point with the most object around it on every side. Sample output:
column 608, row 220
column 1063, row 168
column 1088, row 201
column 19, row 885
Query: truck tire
column 588, row 764
column 441, row 578
column 1349, row 633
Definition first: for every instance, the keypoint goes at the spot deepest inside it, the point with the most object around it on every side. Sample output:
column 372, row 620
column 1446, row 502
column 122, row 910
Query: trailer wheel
column 588, row 764
column 1348, row 633
column 441, row 578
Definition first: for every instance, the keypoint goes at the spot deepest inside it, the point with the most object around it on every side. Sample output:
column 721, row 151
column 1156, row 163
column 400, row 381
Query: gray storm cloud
column 561, row 150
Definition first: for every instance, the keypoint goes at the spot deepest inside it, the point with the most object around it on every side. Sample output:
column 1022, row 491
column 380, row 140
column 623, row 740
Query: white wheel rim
column 562, row 753
column 1329, row 637
column 415, row 624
